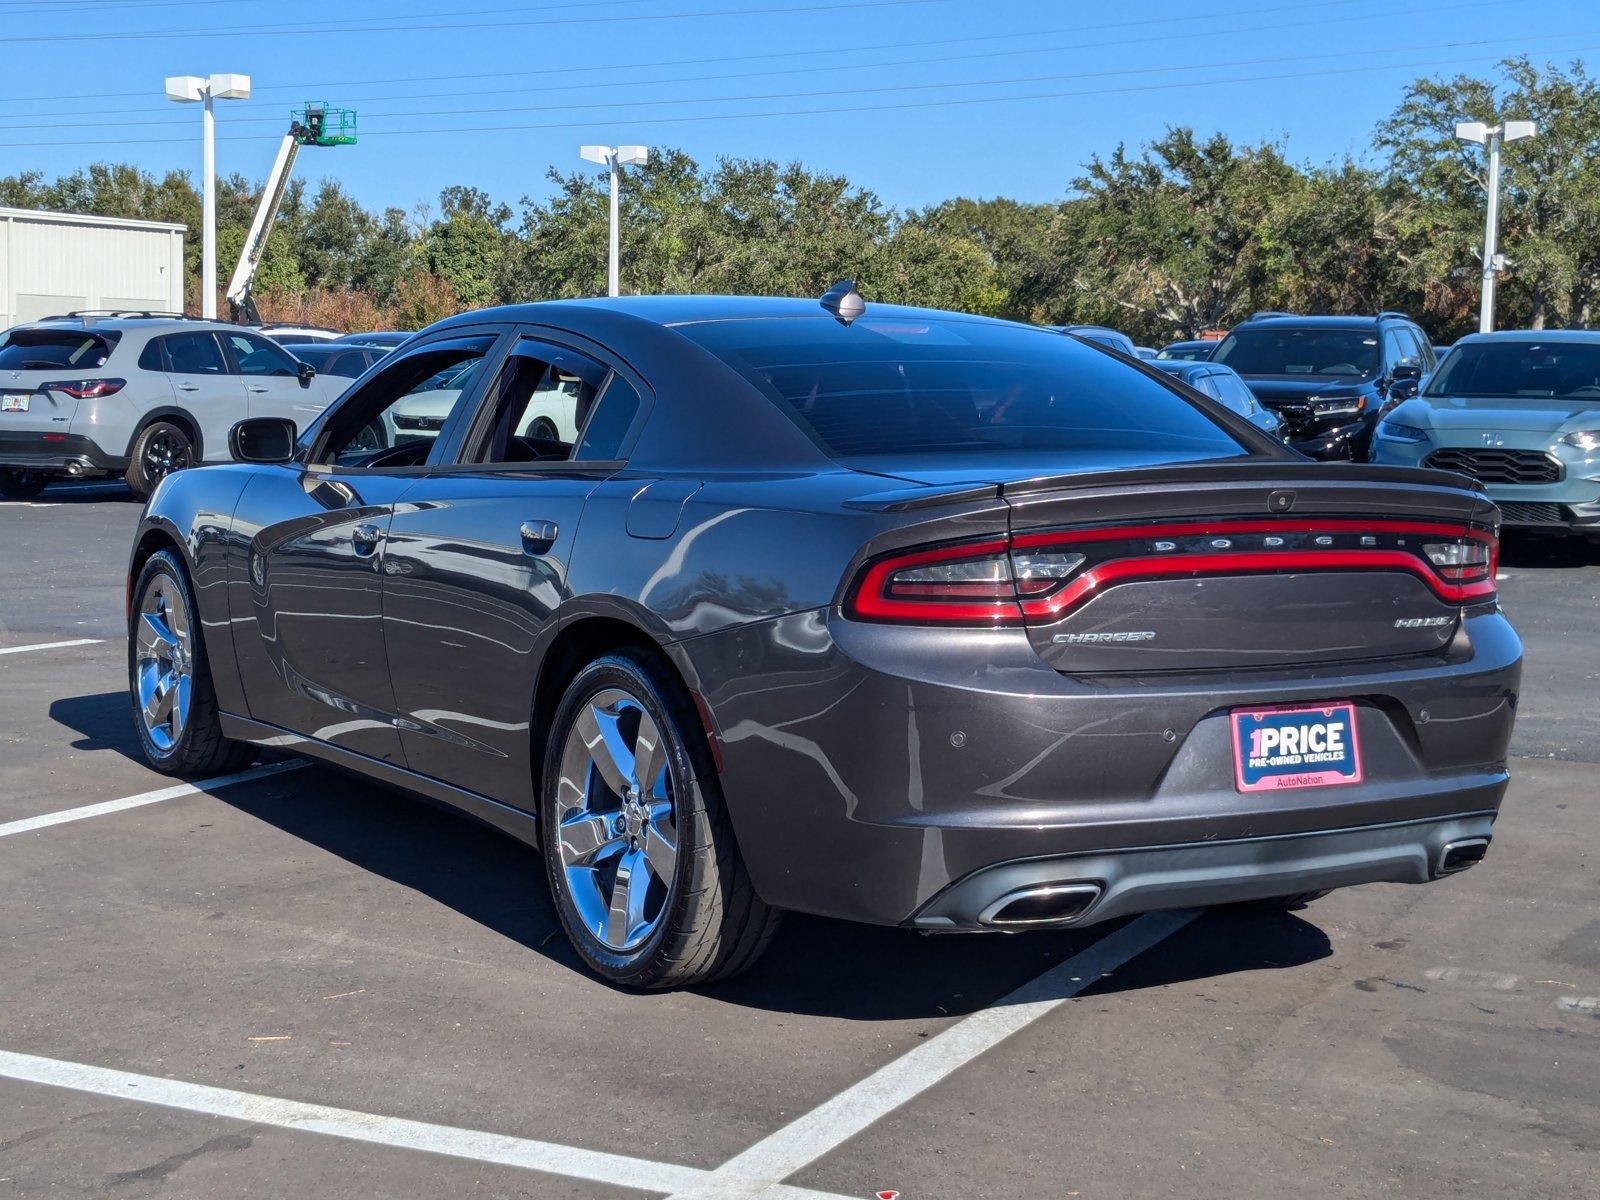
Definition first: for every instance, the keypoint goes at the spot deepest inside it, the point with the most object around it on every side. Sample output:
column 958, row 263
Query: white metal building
column 57, row 262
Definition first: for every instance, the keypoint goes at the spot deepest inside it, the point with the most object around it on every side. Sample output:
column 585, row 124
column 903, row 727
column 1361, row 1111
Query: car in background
column 1144, row 352
column 90, row 397
column 1222, row 384
column 389, row 338
column 1100, row 335
column 1519, row 411
column 882, row 614
column 342, row 360
column 1329, row 377
column 1440, row 351
column 1196, row 351
column 287, row 333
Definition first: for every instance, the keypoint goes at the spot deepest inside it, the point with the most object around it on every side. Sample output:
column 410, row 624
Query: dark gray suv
column 893, row 615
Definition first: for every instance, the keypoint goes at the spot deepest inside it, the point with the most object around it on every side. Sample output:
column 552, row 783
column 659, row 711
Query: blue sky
column 493, row 92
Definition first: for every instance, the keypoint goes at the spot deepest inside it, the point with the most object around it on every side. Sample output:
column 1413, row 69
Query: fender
column 157, row 414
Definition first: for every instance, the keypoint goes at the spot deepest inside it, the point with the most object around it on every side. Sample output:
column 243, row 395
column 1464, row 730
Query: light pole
column 615, row 157
column 1477, row 133
column 186, row 89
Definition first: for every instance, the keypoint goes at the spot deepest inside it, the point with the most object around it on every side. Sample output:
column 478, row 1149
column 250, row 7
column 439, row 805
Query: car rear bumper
column 868, row 768
column 66, row 453
column 1086, row 889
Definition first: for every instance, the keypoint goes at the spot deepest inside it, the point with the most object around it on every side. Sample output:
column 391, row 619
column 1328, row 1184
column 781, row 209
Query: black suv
column 1329, row 378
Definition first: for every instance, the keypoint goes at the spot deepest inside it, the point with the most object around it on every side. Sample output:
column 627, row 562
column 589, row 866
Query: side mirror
column 263, row 440
column 1407, row 369
column 307, row 374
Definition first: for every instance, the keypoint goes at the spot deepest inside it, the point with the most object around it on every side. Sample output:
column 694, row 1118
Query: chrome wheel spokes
column 163, row 662
column 616, row 820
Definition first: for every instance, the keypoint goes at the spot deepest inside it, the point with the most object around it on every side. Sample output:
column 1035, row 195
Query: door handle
column 188, row 387
column 365, row 538
column 258, row 387
column 538, row 536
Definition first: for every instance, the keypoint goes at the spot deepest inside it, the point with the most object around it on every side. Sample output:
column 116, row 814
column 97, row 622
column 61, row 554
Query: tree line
column 1187, row 233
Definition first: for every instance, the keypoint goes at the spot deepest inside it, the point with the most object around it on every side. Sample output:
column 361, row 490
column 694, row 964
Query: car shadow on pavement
column 102, row 719
column 814, row 966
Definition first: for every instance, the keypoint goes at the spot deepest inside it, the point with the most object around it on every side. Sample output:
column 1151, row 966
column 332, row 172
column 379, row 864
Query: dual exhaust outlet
column 1043, row 905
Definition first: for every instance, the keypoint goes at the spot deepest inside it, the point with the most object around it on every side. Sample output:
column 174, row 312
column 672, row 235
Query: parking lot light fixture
column 1481, row 134
column 615, row 158
column 189, row 89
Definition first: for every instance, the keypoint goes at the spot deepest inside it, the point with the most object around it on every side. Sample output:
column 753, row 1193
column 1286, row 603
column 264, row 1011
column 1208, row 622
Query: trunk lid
column 1252, row 563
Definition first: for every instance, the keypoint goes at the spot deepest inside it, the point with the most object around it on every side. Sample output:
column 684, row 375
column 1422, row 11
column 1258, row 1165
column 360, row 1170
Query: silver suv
column 83, row 396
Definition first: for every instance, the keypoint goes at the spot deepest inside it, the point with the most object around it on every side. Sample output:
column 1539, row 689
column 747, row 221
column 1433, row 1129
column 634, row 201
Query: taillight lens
column 968, row 584
column 1462, row 562
column 87, row 389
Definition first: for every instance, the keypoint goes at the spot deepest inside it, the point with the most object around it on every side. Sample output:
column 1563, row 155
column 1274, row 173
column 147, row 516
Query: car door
column 272, row 383
column 204, row 386
column 478, row 558
column 306, row 598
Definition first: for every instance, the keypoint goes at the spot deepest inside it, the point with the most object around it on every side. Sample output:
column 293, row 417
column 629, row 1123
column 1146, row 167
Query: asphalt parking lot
column 301, row 983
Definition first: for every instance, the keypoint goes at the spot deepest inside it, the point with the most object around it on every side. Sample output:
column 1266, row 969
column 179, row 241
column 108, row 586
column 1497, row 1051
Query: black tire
column 160, row 449
column 21, row 484
column 544, row 430
column 200, row 748
column 712, row 925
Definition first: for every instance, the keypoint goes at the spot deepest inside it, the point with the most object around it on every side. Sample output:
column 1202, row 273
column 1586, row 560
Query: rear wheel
column 169, row 678
column 21, row 484
column 638, row 849
column 158, row 451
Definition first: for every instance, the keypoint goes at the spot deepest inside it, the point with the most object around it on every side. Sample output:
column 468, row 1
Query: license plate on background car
column 1275, row 749
column 14, row 402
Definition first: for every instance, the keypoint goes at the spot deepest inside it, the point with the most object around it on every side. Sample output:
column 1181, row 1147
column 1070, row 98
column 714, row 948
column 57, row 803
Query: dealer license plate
column 1275, row 749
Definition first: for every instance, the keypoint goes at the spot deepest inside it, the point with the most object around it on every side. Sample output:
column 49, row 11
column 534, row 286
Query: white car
column 551, row 415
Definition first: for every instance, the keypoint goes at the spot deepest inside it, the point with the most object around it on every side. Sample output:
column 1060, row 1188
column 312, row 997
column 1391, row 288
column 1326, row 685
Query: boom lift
column 314, row 125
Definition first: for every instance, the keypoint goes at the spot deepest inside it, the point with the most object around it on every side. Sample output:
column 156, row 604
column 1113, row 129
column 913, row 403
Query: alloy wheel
column 616, row 820
column 163, row 662
column 164, row 453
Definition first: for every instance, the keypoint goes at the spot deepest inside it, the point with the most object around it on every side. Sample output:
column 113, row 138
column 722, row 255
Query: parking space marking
column 84, row 812
column 51, row 645
column 570, row 1161
column 758, row 1171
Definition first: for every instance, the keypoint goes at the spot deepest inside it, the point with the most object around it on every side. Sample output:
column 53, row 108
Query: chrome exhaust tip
column 1458, row 856
column 1040, row 906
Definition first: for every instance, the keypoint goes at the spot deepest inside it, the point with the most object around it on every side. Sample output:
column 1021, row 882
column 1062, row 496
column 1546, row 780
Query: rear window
column 1532, row 368
column 1270, row 350
column 48, row 349
column 897, row 385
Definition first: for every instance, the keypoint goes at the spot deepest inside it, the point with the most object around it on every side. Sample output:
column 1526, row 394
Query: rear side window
column 897, row 385
column 47, row 349
column 194, row 354
column 257, row 356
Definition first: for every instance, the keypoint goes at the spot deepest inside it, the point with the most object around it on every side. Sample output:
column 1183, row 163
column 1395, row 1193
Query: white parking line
column 477, row 1145
column 51, row 645
column 759, row 1170
column 29, row 824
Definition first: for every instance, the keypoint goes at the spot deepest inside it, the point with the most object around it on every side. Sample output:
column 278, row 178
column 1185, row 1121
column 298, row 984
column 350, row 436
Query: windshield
column 1531, row 368
column 48, row 349
column 1300, row 351
column 896, row 385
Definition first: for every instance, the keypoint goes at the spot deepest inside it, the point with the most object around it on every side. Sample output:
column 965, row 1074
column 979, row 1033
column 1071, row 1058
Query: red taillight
column 87, row 389
column 1044, row 576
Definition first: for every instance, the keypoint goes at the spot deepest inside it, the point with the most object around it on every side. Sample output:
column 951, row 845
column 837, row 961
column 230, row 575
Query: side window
column 1235, row 394
column 394, row 419
column 194, row 354
column 257, row 356
column 1422, row 351
column 545, row 406
column 1393, row 350
column 613, row 416
column 150, row 357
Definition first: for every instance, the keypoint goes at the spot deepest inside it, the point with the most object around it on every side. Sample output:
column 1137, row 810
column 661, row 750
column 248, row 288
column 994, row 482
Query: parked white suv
column 140, row 397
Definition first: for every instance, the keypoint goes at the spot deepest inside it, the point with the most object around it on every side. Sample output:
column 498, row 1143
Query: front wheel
column 169, row 677
column 21, row 484
column 638, row 848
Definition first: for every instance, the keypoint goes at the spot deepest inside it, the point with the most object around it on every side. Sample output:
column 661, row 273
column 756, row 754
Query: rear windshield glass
column 47, row 349
column 1269, row 351
column 1534, row 369
column 897, row 385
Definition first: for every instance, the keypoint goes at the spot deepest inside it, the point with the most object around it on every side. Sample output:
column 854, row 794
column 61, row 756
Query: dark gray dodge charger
column 733, row 606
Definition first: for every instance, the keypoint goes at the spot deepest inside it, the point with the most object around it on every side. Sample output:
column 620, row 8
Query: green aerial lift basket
column 318, row 125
